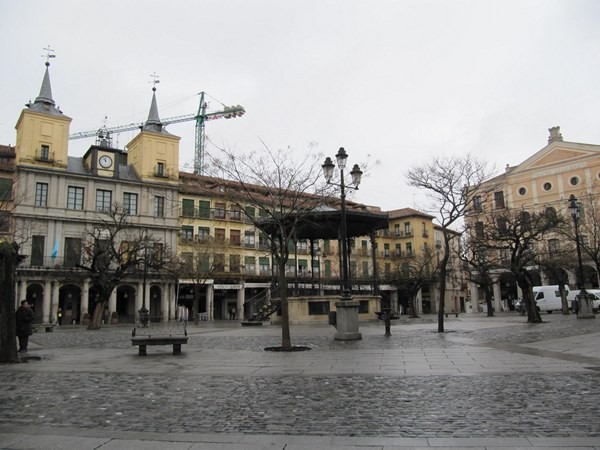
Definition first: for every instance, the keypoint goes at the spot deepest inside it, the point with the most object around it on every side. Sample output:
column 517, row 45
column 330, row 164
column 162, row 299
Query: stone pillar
column 138, row 297
column 474, row 297
column 46, row 302
column 210, row 299
column 347, row 320
column 85, row 297
column 22, row 293
column 173, row 302
column 497, row 295
column 393, row 301
column 55, row 299
column 419, row 302
column 112, row 302
column 241, row 296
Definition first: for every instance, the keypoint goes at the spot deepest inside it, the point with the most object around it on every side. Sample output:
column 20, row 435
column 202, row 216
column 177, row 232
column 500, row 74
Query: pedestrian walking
column 232, row 313
column 24, row 319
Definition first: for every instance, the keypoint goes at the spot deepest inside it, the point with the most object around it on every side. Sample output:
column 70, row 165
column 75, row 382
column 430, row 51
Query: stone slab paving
column 475, row 386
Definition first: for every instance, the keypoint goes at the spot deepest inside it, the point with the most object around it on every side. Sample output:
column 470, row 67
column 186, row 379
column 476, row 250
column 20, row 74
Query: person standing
column 24, row 318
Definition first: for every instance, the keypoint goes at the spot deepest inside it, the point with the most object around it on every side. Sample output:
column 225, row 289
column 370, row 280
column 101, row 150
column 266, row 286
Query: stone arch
column 35, row 297
column 125, row 307
column 156, row 299
column 69, row 302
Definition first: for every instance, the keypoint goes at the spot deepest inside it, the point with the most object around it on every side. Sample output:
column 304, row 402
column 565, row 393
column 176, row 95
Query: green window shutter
column 187, row 208
column 204, row 209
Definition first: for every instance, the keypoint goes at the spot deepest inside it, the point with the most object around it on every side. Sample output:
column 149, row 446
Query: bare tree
column 284, row 187
column 479, row 263
column 555, row 257
column 515, row 234
column 115, row 249
column 589, row 228
column 451, row 184
column 411, row 274
column 198, row 262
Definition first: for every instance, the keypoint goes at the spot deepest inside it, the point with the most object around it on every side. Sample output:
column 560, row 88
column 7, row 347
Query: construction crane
column 200, row 117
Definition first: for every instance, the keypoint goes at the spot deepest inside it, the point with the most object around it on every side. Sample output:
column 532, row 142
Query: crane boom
column 200, row 117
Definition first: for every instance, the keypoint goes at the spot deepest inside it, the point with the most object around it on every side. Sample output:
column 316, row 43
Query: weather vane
column 49, row 54
column 154, row 81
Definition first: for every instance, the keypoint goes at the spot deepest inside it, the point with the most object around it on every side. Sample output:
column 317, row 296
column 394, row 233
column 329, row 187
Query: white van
column 595, row 293
column 548, row 298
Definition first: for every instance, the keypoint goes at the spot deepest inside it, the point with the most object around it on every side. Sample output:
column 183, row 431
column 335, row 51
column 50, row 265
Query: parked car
column 548, row 298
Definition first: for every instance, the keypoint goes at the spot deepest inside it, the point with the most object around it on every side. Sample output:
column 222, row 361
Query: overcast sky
column 395, row 81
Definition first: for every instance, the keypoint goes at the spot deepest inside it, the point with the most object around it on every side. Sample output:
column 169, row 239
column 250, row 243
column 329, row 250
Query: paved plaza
column 486, row 383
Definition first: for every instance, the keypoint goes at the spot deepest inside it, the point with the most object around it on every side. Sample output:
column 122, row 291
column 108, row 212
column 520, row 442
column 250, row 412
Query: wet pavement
column 485, row 383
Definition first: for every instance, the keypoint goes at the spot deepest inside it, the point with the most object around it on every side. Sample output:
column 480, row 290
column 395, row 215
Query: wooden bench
column 156, row 332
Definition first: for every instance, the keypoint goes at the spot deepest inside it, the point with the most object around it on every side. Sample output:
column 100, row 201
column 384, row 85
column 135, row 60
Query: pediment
column 558, row 154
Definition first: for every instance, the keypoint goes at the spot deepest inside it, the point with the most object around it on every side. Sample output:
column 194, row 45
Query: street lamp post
column 585, row 307
column 347, row 309
column 143, row 312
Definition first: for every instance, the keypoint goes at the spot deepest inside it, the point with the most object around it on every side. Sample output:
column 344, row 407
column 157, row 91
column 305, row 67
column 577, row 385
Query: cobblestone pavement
column 561, row 404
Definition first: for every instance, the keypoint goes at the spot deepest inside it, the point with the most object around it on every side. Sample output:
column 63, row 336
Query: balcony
column 44, row 155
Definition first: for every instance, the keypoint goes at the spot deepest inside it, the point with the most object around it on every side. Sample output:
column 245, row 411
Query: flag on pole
column 55, row 250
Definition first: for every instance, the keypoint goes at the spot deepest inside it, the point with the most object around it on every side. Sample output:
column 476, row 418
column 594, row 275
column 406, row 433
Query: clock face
column 105, row 161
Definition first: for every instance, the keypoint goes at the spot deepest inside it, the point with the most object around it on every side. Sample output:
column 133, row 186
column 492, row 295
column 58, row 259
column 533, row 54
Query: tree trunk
column 196, row 304
column 9, row 258
column 563, row 298
column 533, row 314
column 286, row 340
column 488, row 294
column 96, row 321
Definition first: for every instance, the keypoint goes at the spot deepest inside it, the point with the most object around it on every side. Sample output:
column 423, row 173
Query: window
column 407, row 228
column 249, row 239
column 397, row 229
column 502, row 225
column 44, row 152
column 72, row 252
column 318, row 308
column 365, row 269
column 37, row 250
column 187, row 208
column 130, row 202
column 386, row 250
column 302, row 267
column 327, row 247
column 405, row 270
column 187, row 233
column 5, row 189
column 220, row 234
column 250, row 212
column 574, row 181
column 103, row 200
column 203, row 233
column 553, row 246
column 499, row 200
column 75, row 198
column 234, row 263
column 235, row 237
column 250, row 265
column 302, row 246
column 364, row 247
column 522, row 191
column 479, row 230
column 353, row 269
column 158, row 252
column 263, row 240
column 219, row 262
column 160, row 169
column 235, row 213
column 547, row 186
column 398, row 250
column 477, row 203
column 41, row 194
column 4, row 221
column 290, row 267
column 204, row 209
column 408, row 249
column 220, row 210
column 315, row 266
column 159, row 206
column 263, row 263
column 327, row 268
